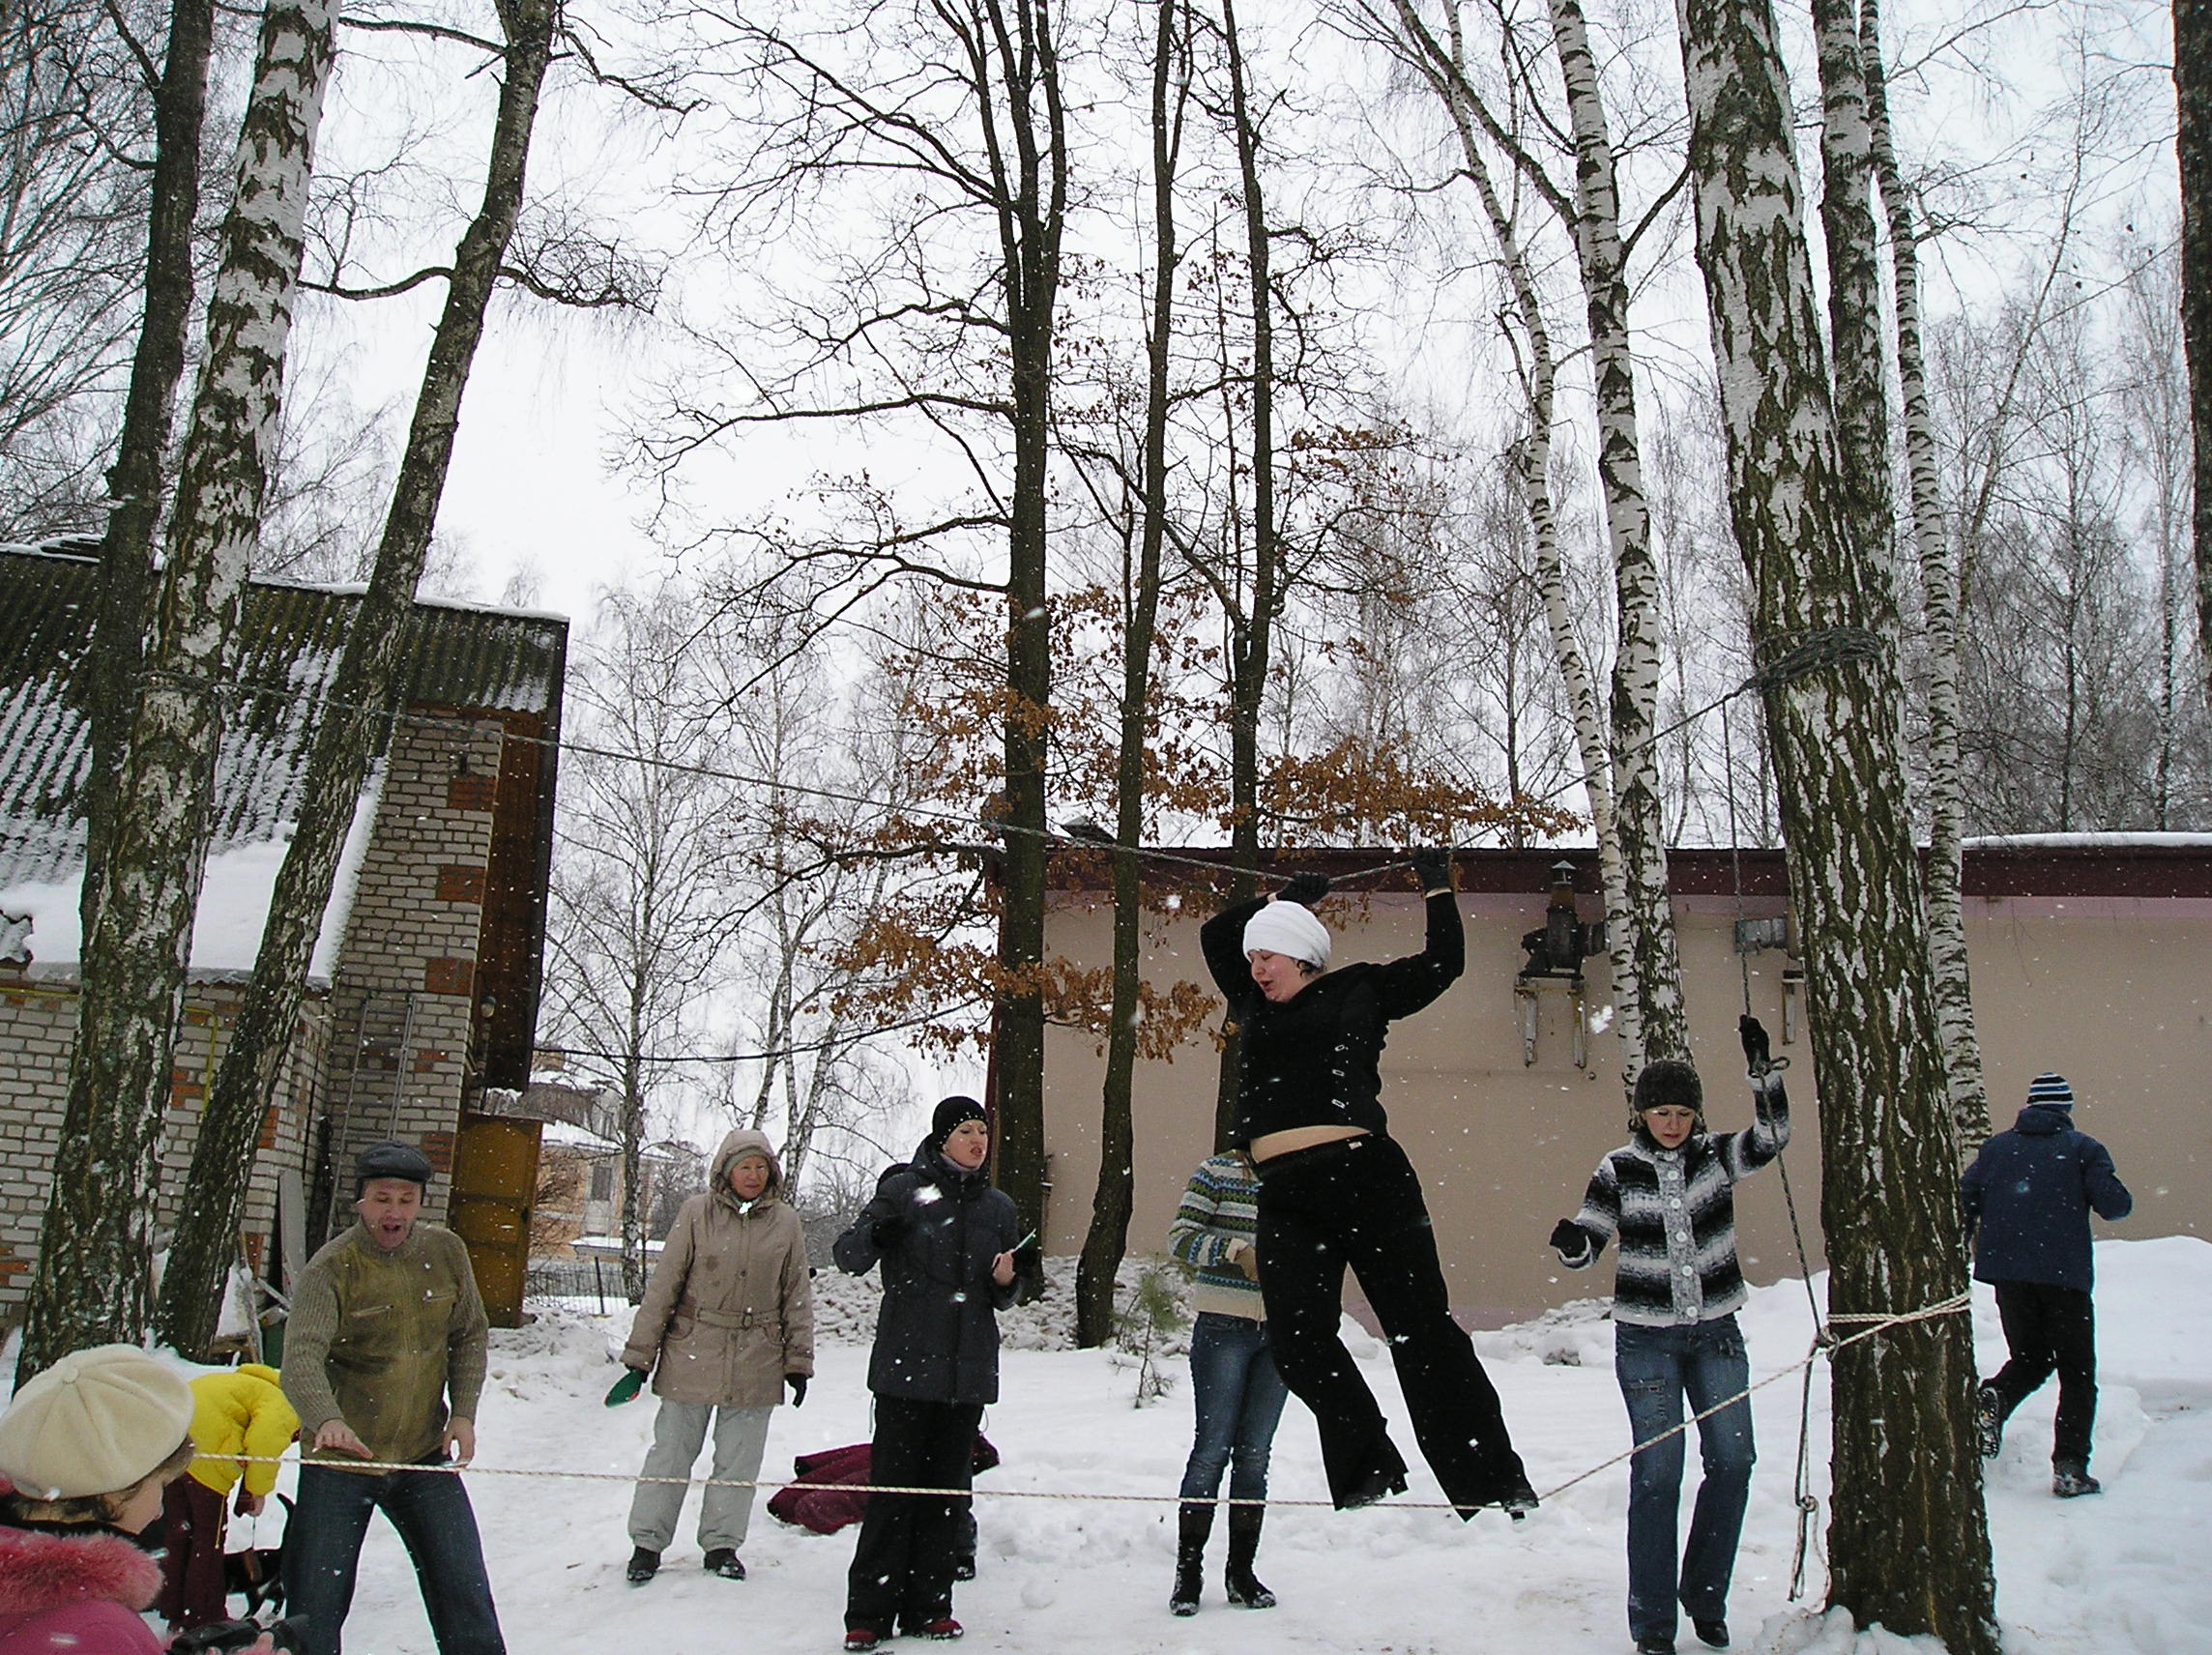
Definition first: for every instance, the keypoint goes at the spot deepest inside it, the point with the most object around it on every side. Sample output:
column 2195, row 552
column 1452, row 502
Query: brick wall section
column 404, row 1009
column 38, row 1027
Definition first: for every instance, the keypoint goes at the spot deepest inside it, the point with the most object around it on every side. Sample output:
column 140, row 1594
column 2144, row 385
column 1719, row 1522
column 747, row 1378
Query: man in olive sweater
column 384, row 1360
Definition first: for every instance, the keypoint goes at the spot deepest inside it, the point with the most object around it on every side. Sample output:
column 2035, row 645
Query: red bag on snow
column 824, row 1496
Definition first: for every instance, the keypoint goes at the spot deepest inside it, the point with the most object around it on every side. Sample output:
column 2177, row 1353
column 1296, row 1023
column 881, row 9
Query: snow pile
column 845, row 1308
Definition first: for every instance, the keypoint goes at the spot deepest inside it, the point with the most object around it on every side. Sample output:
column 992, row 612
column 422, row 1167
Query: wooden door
column 495, row 1182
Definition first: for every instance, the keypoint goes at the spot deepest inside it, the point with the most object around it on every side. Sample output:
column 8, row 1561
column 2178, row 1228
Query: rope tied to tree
column 1830, row 646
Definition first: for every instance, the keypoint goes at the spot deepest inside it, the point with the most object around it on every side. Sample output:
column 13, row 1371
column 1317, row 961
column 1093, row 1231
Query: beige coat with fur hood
column 730, row 1308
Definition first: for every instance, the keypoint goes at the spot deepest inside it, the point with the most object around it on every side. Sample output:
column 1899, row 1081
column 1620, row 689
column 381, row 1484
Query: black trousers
column 2051, row 1330
column 1358, row 1204
column 902, row 1568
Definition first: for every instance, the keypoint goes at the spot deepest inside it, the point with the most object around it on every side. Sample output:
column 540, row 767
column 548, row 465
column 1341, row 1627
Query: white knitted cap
column 96, row 1422
column 1288, row 928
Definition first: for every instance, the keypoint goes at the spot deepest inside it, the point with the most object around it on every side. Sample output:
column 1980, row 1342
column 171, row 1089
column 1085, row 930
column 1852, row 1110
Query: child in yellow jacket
column 236, row 1412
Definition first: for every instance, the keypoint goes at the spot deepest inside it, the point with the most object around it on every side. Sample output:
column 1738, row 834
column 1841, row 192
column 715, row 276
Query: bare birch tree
column 1539, row 376
column 260, row 1045
column 1939, row 620
column 1907, row 1538
column 134, row 481
column 642, row 902
column 1649, row 995
column 97, row 1244
column 2193, row 143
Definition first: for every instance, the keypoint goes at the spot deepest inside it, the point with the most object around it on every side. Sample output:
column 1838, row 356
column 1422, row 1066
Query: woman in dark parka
column 946, row 1240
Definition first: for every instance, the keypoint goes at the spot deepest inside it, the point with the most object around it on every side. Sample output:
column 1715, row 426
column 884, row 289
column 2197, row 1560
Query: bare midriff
column 1268, row 1145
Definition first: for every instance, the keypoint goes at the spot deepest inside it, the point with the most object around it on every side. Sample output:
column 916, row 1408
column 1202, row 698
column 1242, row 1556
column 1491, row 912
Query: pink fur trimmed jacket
column 76, row 1592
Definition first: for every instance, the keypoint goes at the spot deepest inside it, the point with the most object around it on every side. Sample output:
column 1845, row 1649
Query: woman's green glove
column 627, row 1386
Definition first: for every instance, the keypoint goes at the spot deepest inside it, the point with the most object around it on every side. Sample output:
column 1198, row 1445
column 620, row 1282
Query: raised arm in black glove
column 1575, row 1246
column 1305, row 890
column 1432, row 867
column 1755, row 1051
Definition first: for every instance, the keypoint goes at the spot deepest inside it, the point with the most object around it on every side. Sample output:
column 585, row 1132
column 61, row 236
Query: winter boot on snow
column 1988, row 1422
column 1712, row 1634
column 1194, row 1525
column 644, row 1564
column 1244, row 1588
column 722, row 1560
column 2070, row 1479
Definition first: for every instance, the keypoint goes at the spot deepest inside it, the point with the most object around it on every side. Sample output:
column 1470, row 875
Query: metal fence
column 592, row 1280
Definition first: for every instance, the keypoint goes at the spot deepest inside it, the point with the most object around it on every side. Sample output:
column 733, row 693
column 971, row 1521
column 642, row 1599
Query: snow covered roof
column 464, row 659
column 459, row 659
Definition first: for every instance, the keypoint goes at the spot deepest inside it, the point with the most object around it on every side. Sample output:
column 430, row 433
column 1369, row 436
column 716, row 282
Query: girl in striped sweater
column 1233, row 1382
column 1666, row 1194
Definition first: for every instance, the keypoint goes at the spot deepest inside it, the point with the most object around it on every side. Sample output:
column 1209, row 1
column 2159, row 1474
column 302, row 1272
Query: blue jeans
column 1657, row 1367
column 1239, row 1398
column 431, row 1510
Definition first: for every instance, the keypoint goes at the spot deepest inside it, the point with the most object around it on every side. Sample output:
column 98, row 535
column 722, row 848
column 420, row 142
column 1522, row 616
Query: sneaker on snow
column 1713, row 1634
column 861, row 1638
column 1988, row 1423
column 644, row 1564
column 2071, row 1479
column 941, row 1630
column 722, row 1560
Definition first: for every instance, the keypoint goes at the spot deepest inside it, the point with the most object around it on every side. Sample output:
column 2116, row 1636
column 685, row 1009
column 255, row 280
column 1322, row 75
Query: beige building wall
column 2110, row 991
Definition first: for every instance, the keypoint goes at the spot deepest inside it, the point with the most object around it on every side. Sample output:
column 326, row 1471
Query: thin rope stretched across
column 1823, row 1342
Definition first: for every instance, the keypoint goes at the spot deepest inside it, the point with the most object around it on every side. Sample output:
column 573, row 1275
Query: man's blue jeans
column 1657, row 1368
column 1239, row 1398
column 431, row 1510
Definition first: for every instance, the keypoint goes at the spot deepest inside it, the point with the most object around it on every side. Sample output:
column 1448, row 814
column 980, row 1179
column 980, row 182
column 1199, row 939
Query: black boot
column 1244, row 1587
column 1193, row 1526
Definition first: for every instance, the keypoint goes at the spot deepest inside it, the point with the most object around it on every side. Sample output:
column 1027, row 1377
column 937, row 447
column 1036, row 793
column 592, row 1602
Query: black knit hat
column 949, row 1114
column 390, row 1159
column 1669, row 1084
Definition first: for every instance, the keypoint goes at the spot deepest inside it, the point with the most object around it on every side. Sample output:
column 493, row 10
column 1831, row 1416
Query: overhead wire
column 1810, row 653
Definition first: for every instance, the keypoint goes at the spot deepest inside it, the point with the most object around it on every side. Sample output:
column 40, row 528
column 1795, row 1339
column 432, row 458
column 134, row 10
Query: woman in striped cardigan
column 1234, row 1381
column 1666, row 1194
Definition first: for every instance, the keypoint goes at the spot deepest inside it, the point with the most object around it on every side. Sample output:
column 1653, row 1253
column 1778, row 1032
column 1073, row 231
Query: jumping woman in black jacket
column 946, row 1239
column 1335, row 1190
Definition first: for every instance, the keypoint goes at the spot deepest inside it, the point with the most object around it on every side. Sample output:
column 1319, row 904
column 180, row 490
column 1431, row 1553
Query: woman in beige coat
column 727, row 1323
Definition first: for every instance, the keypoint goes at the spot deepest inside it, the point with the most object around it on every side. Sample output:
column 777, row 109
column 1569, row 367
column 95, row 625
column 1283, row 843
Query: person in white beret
column 86, row 1449
column 1336, row 1190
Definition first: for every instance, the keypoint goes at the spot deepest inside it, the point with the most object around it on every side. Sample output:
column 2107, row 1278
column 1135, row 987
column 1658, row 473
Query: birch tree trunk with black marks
column 246, row 1081
column 1629, row 823
column 1115, row 1198
column 2192, row 141
column 1939, row 626
column 1663, row 1022
column 1533, row 457
column 134, row 481
column 96, row 1248
column 1908, row 1539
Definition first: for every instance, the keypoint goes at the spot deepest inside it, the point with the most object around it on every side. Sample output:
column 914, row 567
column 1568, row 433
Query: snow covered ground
column 2114, row 1572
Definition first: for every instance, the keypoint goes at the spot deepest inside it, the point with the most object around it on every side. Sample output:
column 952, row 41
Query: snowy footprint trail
column 2123, row 1571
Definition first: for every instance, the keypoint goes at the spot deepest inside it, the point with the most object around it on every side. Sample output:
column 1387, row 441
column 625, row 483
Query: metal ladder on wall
column 383, row 1042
